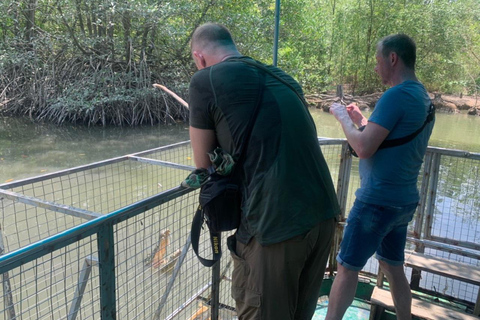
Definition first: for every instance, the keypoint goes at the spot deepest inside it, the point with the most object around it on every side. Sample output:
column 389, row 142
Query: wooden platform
column 425, row 309
column 422, row 309
column 447, row 268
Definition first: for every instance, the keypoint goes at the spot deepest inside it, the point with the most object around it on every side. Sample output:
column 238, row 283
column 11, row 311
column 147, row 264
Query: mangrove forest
column 95, row 61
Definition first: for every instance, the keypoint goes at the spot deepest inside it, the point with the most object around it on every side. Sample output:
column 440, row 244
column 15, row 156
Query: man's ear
column 393, row 58
column 200, row 60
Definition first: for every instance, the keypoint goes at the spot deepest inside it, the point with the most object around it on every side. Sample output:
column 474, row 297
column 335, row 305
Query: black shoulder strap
column 264, row 68
column 399, row 141
column 215, row 239
column 252, row 120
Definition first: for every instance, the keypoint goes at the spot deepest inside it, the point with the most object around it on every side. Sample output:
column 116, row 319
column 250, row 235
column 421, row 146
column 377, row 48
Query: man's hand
column 364, row 143
column 339, row 111
column 356, row 115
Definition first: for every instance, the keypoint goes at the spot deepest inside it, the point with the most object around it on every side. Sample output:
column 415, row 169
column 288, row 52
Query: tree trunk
column 93, row 19
column 30, row 8
column 78, row 7
column 127, row 40
column 332, row 40
column 145, row 32
column 89, row 21
column 369, row 42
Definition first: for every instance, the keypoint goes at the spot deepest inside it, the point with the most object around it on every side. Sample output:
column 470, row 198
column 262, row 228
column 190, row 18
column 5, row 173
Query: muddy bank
column 443, row 102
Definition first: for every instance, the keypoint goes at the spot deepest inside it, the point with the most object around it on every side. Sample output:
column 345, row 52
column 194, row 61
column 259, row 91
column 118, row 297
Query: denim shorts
column 373, row 228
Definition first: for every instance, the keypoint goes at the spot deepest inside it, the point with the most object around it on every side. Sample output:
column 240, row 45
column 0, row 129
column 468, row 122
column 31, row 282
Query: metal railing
column 111, row 240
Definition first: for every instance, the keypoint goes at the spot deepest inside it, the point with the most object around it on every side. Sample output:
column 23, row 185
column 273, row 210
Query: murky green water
column 28, row 149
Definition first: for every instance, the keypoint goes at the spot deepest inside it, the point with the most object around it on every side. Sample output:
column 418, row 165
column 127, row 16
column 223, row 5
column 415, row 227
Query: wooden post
column 340, row 91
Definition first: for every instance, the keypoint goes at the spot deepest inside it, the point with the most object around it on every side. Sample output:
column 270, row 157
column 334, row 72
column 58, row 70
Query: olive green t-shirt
column 286, row 185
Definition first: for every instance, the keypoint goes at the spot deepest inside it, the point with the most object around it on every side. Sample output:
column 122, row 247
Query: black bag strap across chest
column 399, row 141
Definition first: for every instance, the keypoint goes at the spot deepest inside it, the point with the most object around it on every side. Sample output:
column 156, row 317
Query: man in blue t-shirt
column 388, row 195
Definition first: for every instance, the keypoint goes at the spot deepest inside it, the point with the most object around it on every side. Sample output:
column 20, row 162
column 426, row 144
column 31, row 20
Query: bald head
column 211, row 43
column 212, row 36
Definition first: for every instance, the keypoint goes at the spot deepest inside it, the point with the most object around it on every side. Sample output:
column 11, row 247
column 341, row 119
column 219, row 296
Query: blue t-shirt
column 390, row 176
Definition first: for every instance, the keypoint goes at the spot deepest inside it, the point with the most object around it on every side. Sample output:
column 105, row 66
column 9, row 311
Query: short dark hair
column 402, row 45
column 212, row 34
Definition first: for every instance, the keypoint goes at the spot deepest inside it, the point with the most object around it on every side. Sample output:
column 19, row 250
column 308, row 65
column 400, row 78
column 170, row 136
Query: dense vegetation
column 94, row 61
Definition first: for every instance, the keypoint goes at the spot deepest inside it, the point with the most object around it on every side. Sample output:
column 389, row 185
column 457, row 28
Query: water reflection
column 29, row 149
column 458, row 192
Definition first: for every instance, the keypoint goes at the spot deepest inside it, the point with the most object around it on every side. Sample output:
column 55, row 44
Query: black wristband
column 361, row 128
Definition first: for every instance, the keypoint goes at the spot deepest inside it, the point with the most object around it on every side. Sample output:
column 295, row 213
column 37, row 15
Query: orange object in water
column 161, row 251
column 199, row 314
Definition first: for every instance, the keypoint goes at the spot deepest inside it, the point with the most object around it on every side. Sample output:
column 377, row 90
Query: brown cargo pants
column 281, row 281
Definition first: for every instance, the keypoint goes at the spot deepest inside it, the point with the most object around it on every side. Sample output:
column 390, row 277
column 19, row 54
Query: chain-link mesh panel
column 97, row 190
column 457, row 204
column 63, row 284
column 455, row 221
column 156, row 276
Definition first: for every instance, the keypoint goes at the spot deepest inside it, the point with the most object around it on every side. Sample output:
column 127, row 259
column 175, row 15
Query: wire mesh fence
column 454, row 220
column 45, row 287
column 156, row 275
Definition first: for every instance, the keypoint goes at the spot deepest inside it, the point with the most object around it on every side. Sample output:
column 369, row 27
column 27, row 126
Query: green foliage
column 94, row 60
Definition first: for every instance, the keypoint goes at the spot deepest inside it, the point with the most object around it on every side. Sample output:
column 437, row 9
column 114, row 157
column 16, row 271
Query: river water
column 29, row 149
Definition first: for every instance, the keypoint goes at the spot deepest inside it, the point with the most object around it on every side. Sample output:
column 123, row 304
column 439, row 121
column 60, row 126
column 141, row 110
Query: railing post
column 106, row 255
column 7, row 287
column 424, row 219
column 432, row 194
column 276, row 32
column 424, row 192
column 420, row 217
column 343, row 182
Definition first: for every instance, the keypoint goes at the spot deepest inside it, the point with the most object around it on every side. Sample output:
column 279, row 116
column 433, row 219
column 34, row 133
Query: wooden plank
column 422, row 309
column 445, row 247
column 451, row 269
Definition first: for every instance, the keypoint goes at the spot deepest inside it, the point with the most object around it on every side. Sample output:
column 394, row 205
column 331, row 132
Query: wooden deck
column 447, row 268
column 382, row 299
column 421, row 309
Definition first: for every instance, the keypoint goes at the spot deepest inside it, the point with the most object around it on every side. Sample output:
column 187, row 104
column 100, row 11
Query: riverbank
column 443, row 102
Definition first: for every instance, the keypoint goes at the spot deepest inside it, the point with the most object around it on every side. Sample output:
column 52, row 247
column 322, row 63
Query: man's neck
column 230, row 55
column 405, row 75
